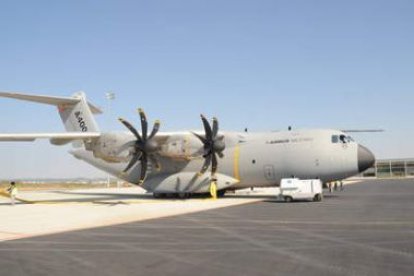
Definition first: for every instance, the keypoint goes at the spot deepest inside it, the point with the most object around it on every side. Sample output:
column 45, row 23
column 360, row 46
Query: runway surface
column 366, row 230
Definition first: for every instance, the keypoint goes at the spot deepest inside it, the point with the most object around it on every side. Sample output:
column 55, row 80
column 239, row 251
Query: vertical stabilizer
column 78, row 117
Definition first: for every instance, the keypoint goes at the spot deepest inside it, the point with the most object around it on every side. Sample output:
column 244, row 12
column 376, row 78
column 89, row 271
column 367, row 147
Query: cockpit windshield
column 342, row 138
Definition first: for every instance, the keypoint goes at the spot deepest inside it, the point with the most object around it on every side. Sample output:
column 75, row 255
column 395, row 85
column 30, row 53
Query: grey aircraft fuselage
column 180, row 162
column 250, row 160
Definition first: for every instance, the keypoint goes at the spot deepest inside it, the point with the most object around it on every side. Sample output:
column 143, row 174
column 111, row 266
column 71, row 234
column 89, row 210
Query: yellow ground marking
column 7, row 195
column 236, row 164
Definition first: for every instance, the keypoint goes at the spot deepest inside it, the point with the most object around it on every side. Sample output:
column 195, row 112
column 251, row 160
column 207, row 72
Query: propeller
column 144, row 147
column 213, row 145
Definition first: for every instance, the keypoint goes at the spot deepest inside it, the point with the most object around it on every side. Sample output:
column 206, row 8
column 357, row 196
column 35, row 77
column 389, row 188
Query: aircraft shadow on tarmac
column 96, row 198
column 292, row 202
column 112, row 199
column 108, row 196
column 250, row 196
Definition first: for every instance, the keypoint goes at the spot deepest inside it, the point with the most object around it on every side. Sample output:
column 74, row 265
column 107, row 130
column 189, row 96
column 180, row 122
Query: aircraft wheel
column 221, row 193
column 288, row 199
column 183, row 195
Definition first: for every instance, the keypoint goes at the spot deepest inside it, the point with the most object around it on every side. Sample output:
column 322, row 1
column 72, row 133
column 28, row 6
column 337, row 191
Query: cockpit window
column 342, row 139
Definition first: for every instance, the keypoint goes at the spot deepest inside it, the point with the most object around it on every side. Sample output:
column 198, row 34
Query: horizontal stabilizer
column 57, row 101
column 55, row 138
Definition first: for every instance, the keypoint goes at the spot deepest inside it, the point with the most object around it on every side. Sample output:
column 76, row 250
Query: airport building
column 386, row 168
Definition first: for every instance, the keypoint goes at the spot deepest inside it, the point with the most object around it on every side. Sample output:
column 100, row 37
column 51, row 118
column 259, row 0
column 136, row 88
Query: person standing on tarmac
column 13, row 192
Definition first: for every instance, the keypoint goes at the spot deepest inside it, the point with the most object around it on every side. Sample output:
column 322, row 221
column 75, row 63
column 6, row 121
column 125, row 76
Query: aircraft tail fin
column 76, row 112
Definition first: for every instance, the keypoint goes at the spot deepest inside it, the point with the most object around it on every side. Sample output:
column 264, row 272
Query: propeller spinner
column 213, row 145
column 144, row 147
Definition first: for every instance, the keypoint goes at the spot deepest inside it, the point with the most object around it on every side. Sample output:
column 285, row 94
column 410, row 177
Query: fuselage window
column 335, row 139
column 342, row 138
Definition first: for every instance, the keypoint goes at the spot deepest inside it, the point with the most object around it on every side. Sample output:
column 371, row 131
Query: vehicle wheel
column 317, row 197
column 288, row 199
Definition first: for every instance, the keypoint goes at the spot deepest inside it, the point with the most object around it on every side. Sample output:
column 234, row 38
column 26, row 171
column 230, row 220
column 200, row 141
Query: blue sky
column 258, row 64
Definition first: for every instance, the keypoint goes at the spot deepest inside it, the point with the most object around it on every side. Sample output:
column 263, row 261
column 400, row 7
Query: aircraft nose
column 365, row 158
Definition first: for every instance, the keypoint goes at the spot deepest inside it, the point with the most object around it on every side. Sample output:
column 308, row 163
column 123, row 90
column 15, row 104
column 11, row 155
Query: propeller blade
column 143, row 147
column 201, row 138
column 214, row 164
column 144, row 124
column 206, row 164
column 131, row 128
column 155, row 129
column 213, row 146
column 134, row 160
column 207, row 152
column 215, row 127
column 144, row 166
column 207, row 128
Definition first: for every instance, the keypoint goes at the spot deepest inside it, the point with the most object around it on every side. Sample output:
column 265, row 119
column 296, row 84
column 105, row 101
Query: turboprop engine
column 109, row 147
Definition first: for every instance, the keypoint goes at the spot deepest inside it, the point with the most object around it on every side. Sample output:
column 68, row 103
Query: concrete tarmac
column 368, row 229
column 49, row 212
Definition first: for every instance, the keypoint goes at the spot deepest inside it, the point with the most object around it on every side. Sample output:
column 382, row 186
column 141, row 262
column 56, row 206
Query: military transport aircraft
column 189, row 162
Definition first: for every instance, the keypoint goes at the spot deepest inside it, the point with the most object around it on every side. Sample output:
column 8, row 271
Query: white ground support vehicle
column 297, row 189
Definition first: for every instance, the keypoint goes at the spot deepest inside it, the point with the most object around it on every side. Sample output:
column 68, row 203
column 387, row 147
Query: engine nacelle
column 109, row 147
column 181, row 148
